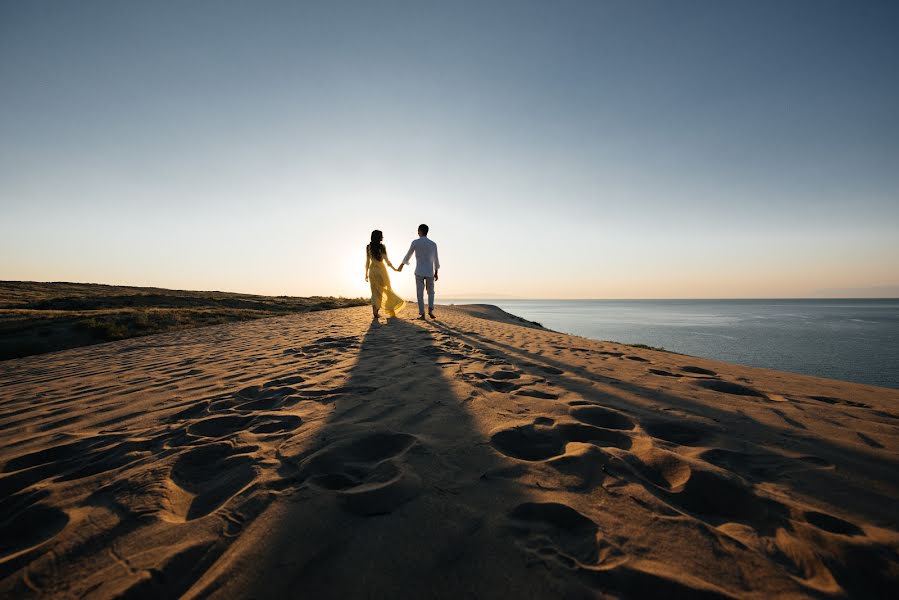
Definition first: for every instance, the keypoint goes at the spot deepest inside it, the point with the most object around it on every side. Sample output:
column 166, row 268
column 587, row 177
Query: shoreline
column 848, row 342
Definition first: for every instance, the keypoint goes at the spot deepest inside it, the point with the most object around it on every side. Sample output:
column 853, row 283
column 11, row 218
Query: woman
column 382, row 296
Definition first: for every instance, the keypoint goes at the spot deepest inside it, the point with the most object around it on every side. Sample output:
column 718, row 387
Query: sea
column 852, row 340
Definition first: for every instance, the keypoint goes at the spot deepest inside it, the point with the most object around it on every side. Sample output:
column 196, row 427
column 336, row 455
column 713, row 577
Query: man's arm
column 436, row 263
column 409, row 253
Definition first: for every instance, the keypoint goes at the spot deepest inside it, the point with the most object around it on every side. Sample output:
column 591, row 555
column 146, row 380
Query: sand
column 321, row 455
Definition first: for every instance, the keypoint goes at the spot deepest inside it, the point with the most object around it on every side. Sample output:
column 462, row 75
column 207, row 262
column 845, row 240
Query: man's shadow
column 388, row 498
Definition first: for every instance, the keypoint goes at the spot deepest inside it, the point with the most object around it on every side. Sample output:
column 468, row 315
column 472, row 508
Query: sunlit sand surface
column 322, row 455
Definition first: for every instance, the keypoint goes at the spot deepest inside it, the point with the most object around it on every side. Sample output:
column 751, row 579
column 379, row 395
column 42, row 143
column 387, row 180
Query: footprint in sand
column 215, row 427
column 602, row 417
column 223, row 426
column 661, row 468
column 561, row 537
column 442, row 355
column 492, row 384
column 177, row 573
column 532, row 393
column 285, row 381
column 697, row 370
column 637, row 358
column 365, row 471
column 193, row 410
column 664, row 373
column 542, row 440
column 582, row 468
column 832, row 524
column 717, row 498
column 556, row 532
column 505, row 375
column 760, row 465
column 728, row 387
column 213, row 474
column 270, row 424
column 269, row 396
column 26, row 523
column 581, row 403
column 505, row 380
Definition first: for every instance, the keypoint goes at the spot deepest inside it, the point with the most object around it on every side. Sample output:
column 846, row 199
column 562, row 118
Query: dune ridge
column 322, row 455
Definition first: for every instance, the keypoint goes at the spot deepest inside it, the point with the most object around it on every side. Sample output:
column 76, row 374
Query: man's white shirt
column 426, row 262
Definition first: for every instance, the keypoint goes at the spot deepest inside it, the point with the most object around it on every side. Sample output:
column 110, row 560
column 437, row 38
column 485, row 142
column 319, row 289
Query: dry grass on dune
column 44, row 317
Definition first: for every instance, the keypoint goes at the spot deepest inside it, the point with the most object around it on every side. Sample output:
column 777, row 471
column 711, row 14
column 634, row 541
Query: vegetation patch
column 45, row 317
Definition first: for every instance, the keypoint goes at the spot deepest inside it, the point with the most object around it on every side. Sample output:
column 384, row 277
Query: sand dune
column 321, row 455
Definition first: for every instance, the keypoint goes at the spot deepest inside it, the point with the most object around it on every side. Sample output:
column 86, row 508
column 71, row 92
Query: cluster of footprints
column 215, row 466
column 212, row 456
column 674, row 469
column 210, row 465
column 671, row 468
column 365, row 469
column 600, row 447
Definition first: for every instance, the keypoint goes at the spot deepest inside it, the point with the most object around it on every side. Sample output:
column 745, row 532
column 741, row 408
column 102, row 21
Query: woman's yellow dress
column 382, row 295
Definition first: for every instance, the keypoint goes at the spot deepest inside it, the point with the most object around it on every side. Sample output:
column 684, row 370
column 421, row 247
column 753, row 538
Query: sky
column 570, row 149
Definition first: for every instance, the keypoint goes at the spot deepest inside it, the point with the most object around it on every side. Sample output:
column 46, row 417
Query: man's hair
column 423, row 229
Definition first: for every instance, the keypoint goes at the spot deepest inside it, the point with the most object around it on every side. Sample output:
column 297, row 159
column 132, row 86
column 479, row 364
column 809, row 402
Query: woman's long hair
column 376, row 248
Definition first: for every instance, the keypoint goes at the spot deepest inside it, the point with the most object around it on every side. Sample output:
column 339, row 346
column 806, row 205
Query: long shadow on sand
column 385, row 500
column 395, row 463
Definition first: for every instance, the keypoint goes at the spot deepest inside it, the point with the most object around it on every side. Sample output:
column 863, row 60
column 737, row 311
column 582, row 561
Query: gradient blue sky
column 557, row 149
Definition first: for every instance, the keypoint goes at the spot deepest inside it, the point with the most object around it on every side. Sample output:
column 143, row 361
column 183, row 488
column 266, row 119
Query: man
column 426, row 266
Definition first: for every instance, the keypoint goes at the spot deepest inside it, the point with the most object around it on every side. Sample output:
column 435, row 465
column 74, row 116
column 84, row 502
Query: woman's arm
column 387, row 260
column 367, row 261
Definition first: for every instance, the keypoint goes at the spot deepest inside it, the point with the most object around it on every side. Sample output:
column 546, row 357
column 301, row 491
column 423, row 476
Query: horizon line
column 487, row 296
column 684, row 298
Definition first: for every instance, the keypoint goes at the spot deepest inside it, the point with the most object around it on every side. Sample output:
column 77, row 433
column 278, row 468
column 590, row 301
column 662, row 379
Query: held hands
column 400, row 270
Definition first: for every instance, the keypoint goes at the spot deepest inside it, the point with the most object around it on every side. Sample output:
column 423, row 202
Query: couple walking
column 426, row 265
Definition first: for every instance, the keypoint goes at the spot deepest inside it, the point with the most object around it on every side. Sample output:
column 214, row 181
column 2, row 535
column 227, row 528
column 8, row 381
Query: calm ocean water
column 853, row 340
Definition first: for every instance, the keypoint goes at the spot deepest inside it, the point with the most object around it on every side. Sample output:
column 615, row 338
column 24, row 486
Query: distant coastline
column 850, row 339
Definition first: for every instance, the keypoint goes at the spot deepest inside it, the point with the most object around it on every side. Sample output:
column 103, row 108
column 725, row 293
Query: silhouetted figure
column 382, row 295
column 426, row 266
